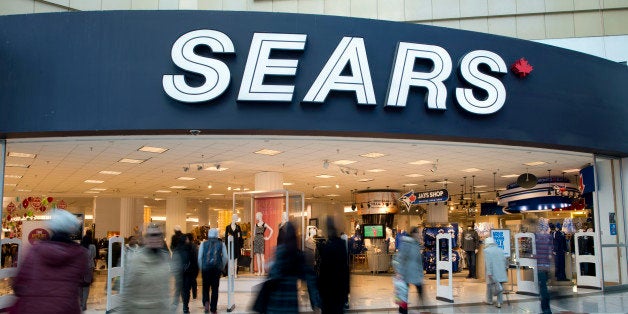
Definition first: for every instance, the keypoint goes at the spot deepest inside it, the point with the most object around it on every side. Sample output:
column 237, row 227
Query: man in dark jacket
column 333, row 280
column 470, row 245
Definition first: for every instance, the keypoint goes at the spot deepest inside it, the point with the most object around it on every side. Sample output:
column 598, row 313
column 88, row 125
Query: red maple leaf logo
column 521, row 68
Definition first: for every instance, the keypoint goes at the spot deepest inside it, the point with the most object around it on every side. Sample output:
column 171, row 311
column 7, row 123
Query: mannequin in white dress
column 258, row 242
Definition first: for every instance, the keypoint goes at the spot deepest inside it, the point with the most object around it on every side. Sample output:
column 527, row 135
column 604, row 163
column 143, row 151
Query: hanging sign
column 415, row 198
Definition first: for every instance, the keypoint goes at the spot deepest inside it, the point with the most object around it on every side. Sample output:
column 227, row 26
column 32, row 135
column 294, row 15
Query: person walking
column 408, row 264
column 212, row 259
column 88, row 243
column 496, row 267
column 333, row 280
column 146, row 286
column 53, row 271
column 544, row 246
column 185, row 264
column 289, row 267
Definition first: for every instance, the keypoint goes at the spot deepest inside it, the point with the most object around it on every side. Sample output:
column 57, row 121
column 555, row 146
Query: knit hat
column 63, row 221
column 212, row 233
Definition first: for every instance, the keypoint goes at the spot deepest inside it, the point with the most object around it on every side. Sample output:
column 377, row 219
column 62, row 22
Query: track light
column 361, row 205
column 353, row 207
column 186, row 169
column 325, row 163
column 199, row 167
column 217, row 166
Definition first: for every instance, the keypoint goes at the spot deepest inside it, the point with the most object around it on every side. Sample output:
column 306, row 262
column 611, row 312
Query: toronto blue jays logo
column 409, row 199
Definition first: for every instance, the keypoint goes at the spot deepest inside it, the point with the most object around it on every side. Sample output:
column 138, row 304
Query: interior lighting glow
column 413, row 175
column 471, row 170
column 21, row 155
column 373, row 155
column 343, row 162
column 186, row 178
column 17, row 166
column 151, row 149
column 376, row 170
column 109, row 172
column 324, row 176
column 13, row 176
column 132, row 161
column 535, row 163
column 268, row 152
column 94, row 181
column 162, row 191
column 510, row 176
column 365, row 180
column 571, row 170
column 420, row 162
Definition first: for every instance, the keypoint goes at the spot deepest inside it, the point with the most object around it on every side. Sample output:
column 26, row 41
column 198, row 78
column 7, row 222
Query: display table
column 378, row 262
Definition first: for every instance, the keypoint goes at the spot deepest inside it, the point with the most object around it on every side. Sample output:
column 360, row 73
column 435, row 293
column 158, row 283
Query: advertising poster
column 502, row 239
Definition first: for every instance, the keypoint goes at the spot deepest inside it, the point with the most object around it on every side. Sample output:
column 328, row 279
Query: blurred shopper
column 185, row 266
column 88, row 243
column 53, row 270
column 146, row 286
column 176, row 241
column 212, row 259
column 193, row 273
column 408, row 263
column 290, row 266
column 496, row 267
column 544, row 247
column 333, row 280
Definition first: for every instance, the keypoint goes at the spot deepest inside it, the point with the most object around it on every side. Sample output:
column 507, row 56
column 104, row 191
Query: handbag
column 263, row 296
column 497, row 288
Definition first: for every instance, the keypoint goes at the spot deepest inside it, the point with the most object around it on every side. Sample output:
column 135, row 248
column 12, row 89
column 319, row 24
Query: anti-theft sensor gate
column 115, row 274
column 444, row 293
column 525, row 250
column 588, row 260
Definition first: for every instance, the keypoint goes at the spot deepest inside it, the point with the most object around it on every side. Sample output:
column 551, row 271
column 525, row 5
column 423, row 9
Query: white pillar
column 203, row 216
column 129, row 215
column 106, row 215
column 268, row 181
column 175, row 215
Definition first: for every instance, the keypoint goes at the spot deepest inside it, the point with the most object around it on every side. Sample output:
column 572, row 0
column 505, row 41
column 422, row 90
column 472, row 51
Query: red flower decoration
column 49, row 199
column 25, row 204
column 521, row 68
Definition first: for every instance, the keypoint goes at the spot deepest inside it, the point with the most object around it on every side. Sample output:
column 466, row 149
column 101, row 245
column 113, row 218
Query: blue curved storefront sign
column 167, row 72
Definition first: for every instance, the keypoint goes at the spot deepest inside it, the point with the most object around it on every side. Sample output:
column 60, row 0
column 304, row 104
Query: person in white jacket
column 496, row 269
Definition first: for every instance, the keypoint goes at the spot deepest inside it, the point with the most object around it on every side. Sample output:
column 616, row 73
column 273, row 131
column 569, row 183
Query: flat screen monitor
column 374, row 231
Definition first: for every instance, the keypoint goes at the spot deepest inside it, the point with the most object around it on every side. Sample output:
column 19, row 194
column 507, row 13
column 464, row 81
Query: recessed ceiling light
column 209, row 186
column 162, row 191
column 132, row 161
column 10, row 184
column 510, row 176
column 94, row 181
column 365, row 180
column 186, row 178
column 288, row 183
column 178, row 187
column 216, row 194
column 268, row 152
column 216, row 168
column 13, row 176
column 444, row 182
column 322, row 187
column 21, row 155
column 332, row 195
column 471, row 170
column 373, row 155
column 91, row 192
column 535, row 163
column 376, row 170
column 159, row 199
column 571, row 170
column 21, row 190
column 17, row 165
column 410, row 184
column 98, row 189
column 247, row 189
column 479, row 186
column 343, row 162
column 109, row 172
column 413, row 175
column 324, row 176
column 420, row 162
column 151, row 149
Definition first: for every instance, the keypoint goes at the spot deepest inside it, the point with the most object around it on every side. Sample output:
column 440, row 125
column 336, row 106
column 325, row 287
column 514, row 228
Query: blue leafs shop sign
column 168, row 72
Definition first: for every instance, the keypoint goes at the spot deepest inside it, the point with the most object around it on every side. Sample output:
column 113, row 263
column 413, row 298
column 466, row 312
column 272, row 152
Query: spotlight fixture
column 353, row 207
column 434, row 166
column 186, row 169
column 361, row 205
column 217, row 166
column 325, row 164
column 199, row 167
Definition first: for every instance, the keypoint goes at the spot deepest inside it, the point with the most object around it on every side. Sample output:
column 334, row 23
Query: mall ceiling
column 80, row 168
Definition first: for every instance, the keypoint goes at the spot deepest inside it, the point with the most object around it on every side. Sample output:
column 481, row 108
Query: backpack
column 212, row 255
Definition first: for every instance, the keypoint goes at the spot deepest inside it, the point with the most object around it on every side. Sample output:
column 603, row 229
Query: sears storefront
column 86, row 74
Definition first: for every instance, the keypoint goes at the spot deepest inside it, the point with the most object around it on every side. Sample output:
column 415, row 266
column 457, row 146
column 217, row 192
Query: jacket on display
column 49, row 278
column 408, row 261
column 147, row 283
column 495, row 263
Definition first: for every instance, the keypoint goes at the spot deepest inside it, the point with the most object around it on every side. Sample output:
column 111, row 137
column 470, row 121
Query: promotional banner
column 502, row 239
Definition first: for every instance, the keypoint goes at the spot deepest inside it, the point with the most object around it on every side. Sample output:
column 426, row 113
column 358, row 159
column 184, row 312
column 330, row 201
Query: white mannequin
column 284, row 218
column 259, row 257
column 234, row 219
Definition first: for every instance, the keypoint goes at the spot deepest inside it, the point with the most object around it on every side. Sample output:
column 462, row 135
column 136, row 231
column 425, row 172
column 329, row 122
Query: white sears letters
column 404, row 75
column 259, row 64
column 495, row 88
column 216, row 73
column 349, row 51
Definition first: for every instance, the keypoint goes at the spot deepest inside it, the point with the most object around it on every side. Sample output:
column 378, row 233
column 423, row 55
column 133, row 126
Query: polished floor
column 374, row 294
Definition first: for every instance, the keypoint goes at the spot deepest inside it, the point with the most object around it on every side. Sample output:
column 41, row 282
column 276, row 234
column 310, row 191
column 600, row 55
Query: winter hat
column 489, row 241
column 212, row 233
column 177, row 228
column 63, row 221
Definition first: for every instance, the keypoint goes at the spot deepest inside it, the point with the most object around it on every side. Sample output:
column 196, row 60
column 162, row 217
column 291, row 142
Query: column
column 175, row 215
column 106, row 216
column 203, row 216
column 129, row 224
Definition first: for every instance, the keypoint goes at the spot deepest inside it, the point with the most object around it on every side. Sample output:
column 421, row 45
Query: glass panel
column 587, row 269
column 9, row 255
column 525, row 248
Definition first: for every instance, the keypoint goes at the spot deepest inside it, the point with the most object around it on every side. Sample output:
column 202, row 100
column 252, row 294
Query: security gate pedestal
column 444, row 293
column 526, row 262
column 585, row 242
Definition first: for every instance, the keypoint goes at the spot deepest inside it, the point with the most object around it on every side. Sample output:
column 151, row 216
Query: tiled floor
column 374, row 294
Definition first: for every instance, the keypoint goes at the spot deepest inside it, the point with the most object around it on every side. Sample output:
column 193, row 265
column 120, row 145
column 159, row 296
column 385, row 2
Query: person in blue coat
column 408, row 263
column 495, row 268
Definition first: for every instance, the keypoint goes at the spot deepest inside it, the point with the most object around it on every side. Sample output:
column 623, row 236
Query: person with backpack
column 212, row 258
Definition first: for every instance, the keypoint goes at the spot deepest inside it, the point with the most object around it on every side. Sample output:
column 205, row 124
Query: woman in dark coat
column 333, row 280
column 53, row 271
column 290, row 266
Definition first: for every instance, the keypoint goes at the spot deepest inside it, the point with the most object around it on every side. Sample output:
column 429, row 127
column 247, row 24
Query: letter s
column 216, row 73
